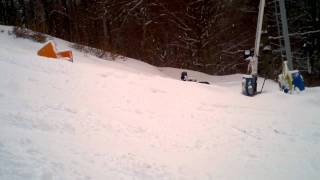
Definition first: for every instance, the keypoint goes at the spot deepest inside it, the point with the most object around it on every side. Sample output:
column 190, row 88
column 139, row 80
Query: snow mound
column 125, row 119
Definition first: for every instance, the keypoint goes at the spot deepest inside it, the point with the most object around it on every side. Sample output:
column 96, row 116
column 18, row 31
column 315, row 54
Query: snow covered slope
column 124, row 119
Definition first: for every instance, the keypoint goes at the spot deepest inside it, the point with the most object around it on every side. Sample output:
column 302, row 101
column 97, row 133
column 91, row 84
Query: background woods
column 204, row 35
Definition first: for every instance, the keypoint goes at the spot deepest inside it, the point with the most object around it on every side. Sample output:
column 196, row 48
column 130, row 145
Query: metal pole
column 278, row 27
column 258, row 38
column 285, row 32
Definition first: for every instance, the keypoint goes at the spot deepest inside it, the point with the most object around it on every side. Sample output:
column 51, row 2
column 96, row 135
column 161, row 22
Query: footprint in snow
column 33, row 152
column 138, row 111
column 25, row 141
column 47, row 176
column 158, row 91
column 104, row 75
column 32, row 80
column 70, row 110
column 316, row 134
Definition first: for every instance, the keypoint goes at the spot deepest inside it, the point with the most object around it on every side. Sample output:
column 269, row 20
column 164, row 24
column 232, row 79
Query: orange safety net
column 65, row 54
column 48, row 51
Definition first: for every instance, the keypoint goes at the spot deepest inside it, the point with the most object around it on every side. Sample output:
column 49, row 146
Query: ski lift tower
column 289, row 79
column 249, row 82
column 283, row 24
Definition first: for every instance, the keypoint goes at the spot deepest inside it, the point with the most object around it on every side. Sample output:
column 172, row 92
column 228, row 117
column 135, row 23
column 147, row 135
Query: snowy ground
column 124, row 119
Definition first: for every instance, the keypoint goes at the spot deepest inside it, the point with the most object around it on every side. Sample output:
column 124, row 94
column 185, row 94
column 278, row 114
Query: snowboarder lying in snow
column 184, row 77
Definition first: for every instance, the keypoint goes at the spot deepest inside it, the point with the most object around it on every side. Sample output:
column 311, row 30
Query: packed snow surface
column 98, row 120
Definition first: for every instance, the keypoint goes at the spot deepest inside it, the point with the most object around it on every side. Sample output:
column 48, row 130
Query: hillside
column 124, row 119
